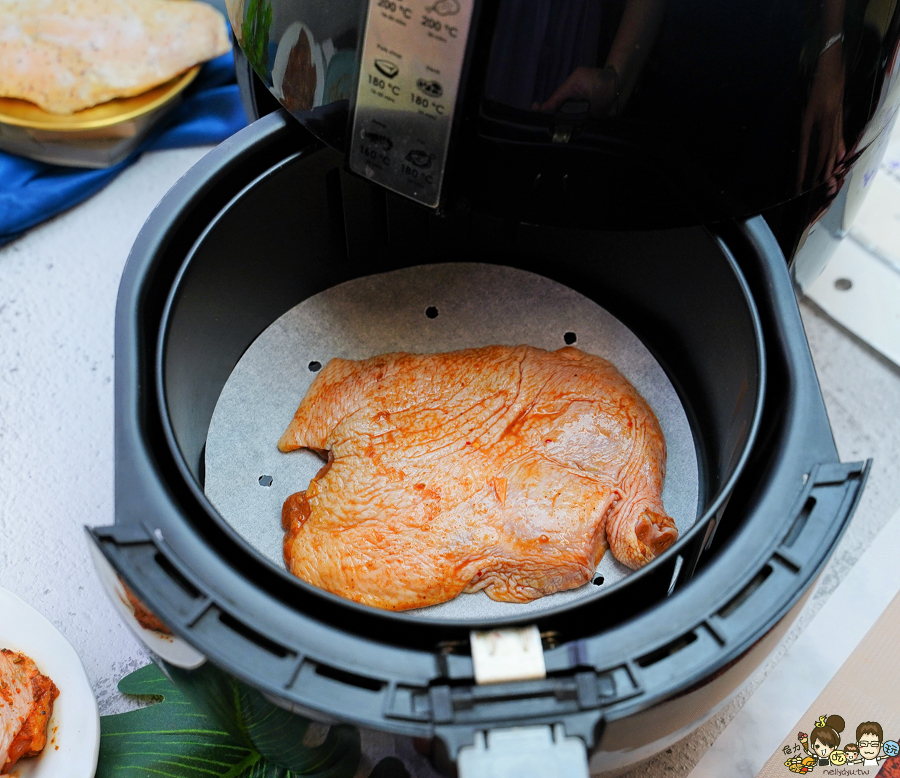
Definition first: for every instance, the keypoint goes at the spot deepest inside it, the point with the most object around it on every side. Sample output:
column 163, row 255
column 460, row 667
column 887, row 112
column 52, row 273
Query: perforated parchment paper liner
column 424, row 309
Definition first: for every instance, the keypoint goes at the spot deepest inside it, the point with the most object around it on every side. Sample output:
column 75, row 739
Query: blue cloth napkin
column 31, row 192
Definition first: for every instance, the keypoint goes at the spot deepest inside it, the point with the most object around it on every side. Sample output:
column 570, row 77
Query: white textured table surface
column 58, row 288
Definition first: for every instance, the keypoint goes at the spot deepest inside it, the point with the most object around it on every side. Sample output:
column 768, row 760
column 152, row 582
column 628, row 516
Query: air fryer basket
column 678, row 291
column 269, row 219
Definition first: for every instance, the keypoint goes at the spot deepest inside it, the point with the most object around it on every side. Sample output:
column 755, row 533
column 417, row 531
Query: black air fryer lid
column 587, row 116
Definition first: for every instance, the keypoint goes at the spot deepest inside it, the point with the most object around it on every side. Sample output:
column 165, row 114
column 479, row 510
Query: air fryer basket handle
column 524, row 752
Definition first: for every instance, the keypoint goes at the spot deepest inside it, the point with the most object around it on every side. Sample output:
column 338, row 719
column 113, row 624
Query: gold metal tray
column 21, row 113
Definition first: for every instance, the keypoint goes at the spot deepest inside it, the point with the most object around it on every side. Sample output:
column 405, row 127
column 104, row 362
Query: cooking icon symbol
column 420, row 158
column 444, row 7
column 376, row 138
column 430, row 88
column 387, row 68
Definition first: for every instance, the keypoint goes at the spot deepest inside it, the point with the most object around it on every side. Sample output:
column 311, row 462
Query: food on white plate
column 503, row 469
column 67, row 55
column 299, row 83
column 26, row 704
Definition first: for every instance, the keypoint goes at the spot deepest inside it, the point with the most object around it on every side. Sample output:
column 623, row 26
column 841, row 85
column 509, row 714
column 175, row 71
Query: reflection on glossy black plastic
column 298, row 45
column 548, row 52
column 697, row 111
column 738, row 106
column 254, row 36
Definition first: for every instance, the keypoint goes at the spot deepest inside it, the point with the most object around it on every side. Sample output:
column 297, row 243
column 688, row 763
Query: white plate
column 73, row 737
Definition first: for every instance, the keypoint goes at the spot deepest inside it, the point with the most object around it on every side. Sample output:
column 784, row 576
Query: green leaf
column 174, row 739
column 169, row 738
column 257, row 21
column 275, row 731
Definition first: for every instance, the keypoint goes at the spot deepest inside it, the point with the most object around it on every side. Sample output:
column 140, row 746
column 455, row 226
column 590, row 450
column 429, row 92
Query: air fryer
column 672, row 207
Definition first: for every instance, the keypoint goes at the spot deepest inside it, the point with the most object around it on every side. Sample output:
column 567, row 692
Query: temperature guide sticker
column 406, row 95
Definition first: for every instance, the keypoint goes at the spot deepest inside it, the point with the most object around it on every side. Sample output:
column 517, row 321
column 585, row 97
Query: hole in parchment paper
column 843, row 284
column 598, row 580
column 314, row 366
column 265, row 480
column 570, row 338
column 431, row 312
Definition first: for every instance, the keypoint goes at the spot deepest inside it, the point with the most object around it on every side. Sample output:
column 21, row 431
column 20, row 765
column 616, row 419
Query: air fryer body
column 677, row 640
column 671, row 199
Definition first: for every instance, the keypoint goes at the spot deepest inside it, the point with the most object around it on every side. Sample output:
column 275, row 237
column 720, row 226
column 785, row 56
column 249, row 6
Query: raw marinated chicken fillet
column 502, row 469
column 26, row 704
column 66, row 55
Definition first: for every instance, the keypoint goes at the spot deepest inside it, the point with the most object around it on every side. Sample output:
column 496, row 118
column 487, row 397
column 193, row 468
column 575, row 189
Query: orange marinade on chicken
column 502, row 469
column 26, row 704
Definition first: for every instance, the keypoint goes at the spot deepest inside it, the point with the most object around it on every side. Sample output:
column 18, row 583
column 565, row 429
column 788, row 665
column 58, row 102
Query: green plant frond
column 171, row 738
